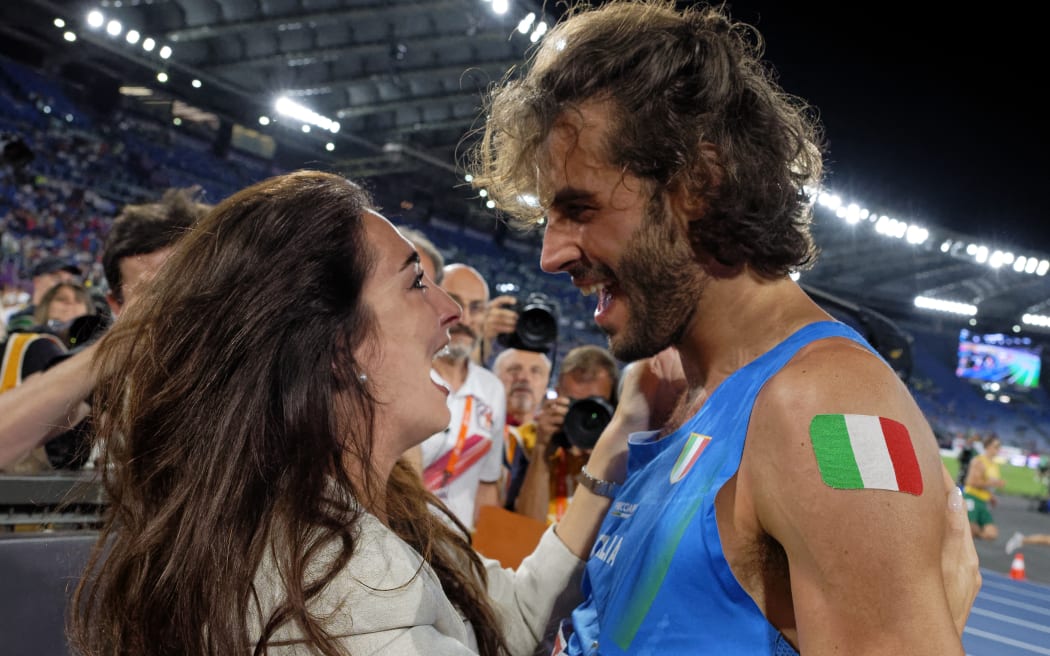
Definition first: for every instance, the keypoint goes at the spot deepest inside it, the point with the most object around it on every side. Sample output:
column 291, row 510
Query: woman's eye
column 417, row 282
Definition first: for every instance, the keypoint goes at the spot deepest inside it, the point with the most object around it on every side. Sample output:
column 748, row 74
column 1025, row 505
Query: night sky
column 926, row 122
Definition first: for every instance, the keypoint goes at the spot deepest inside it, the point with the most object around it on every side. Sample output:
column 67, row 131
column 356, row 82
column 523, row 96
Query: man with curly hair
column 786, row 495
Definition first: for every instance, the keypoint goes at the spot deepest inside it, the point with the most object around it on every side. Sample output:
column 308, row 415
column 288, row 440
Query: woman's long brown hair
column 222, row 435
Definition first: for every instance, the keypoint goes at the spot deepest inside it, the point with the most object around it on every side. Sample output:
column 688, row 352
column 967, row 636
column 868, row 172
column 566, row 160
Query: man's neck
column 453, row 371
column 737, row 320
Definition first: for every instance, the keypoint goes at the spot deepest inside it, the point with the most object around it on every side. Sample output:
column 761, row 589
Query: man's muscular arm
column 865, row 564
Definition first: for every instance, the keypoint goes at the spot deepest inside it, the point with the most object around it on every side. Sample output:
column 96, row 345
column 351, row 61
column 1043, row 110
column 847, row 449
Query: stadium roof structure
column 397, row 84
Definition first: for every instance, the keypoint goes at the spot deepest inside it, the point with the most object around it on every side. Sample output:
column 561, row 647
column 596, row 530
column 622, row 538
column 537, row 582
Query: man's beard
column 661, row 280
column 459, row 349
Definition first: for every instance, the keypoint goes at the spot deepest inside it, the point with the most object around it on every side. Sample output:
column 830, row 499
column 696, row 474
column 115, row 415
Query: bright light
column 177, row 120
column 306, row 129
column 1031, row 265
column 95, row 18
column 164, row 52
column 264, row 120
column 1004, row 398
column 1016, row 328
column 795, row 275
column 946, row 246
column 468, row 177
column 1040, row 320
column 1008, row 258
column 852, row 214
column 537, row 34
column 196, row 84
column 982, row 254
column 1042, row 268
column 500, row 7
column 47, row 109
column 149, row 44
column 288, row 107
column 491, row 203
column 162, row 77
column 1019, row 264
column 940, row 305
column 971, row 249
column 483, row 193
column 59, row 23
column 917, row 235
column 529, row 200
column 996, row 260
column 524, row 26
column 132, row 36
column 69, row 36
column 114, row 28
column 329, row 146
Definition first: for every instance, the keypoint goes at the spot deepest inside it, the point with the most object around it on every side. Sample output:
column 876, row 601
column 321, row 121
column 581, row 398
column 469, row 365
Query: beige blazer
column 383, row 602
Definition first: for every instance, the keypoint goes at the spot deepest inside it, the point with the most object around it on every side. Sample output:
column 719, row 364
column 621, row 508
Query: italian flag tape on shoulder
column 862, row 452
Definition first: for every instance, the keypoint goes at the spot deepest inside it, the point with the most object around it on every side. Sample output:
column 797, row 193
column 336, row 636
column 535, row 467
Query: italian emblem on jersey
column 694, row 446
column 863, row 452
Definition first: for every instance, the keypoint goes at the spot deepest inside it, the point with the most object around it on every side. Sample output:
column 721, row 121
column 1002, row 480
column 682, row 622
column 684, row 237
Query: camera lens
column 585, row 420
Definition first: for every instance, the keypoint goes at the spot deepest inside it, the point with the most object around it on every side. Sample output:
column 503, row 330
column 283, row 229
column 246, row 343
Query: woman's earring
column 362, row 378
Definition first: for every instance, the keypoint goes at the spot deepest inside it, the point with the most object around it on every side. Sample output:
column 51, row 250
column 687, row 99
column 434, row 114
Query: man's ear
column 690, row 192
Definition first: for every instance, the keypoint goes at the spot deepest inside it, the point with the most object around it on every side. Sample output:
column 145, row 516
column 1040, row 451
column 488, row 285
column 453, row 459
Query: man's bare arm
column 44, row 405
column 865, row 564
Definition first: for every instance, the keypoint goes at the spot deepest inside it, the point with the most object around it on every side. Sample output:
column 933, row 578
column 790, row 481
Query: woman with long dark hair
column 256, row 401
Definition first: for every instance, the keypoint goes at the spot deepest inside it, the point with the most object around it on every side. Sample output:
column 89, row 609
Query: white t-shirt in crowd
column 488, row 411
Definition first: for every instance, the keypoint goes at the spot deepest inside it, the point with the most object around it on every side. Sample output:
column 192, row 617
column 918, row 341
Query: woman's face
column 412, row 317
column 65, row 306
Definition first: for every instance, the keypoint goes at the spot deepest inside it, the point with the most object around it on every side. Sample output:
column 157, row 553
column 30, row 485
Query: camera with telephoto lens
column 537, row 328
column 584, row 422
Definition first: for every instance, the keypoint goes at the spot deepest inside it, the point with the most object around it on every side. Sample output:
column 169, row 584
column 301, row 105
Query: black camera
column 537, row 328
column 584, row 422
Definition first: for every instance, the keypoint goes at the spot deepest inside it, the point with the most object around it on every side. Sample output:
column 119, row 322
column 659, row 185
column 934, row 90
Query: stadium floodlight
column 971, row 250
column 329, row 146
column 537, row 34
column 264, row 120
column 1040, row 320
column 526, row 23
column 483, row 193
column 69, row 36
column 500, row 7
column 1042, row 268
column 164, row 52
column 468, row 177
column 852, row 214
column 917, row 235
column 149, row 44
column 196, row 84
column 996, row 260
column 1031, row 265
column 1008, row 258
column 59, row 23
column 289, row 107
column 306, row 128
column 95, row 19
column 1019, row 263
column 982, row 254
column 946, row 245
column 133, row 36
column 941, row 305
column 491, row 204
column 162, row 77
column 114, row 28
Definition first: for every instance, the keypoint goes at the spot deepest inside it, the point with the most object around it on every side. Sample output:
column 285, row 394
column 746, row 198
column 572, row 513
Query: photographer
column 50, row 403
column 566, row 428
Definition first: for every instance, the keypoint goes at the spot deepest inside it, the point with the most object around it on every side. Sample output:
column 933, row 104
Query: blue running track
column 1009, row 618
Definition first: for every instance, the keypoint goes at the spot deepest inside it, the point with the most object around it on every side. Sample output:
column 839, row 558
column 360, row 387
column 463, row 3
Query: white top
column 386, row 601
column 486, row 419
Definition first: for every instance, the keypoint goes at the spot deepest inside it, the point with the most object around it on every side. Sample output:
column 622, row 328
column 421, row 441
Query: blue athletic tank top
column 657, row 581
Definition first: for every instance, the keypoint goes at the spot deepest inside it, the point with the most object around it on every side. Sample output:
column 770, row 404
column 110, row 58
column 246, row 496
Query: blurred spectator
column 429, row 256
column 524, row 375
column 63, row 303
column 462, row 464
column 46, row 274
column 555, row 459
column 53, row 402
